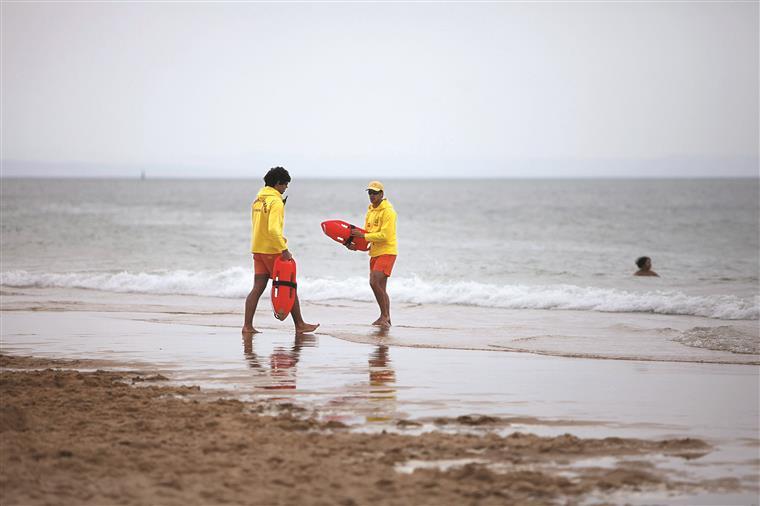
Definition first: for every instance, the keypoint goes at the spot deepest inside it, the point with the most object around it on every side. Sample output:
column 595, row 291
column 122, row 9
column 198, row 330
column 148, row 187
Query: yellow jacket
column 267, row 219
column 380, row 225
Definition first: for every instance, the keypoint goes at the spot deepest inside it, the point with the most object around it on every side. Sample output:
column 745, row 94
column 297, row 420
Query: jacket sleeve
column 275, row 225
column 387, row 228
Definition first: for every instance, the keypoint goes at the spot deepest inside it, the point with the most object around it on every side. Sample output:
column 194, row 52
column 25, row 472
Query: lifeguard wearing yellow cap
column 375, row 186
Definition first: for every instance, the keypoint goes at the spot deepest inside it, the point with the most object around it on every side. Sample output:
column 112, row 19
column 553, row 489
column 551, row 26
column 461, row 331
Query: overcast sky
column 381, row 90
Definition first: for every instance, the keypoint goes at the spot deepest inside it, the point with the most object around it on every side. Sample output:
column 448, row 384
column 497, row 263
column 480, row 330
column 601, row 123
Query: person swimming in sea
column 645, row 267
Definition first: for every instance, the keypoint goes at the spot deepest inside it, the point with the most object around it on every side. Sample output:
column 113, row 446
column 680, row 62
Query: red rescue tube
column 340, row 231
column 283, row 287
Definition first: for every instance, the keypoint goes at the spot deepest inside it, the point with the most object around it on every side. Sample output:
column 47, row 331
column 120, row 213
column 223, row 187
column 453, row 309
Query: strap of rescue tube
column 284, row 283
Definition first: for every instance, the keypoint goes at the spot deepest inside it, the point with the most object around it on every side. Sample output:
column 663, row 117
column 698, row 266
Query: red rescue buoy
column 283, row 287
column 340, row 231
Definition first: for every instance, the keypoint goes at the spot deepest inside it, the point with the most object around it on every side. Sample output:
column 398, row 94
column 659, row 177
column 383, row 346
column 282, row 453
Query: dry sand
column 69, row 437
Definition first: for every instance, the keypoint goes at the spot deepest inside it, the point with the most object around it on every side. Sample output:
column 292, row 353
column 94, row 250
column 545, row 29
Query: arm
column 275, row 226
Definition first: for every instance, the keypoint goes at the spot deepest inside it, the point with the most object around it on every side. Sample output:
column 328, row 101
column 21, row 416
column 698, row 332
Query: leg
column 378, row 297
column 387, row 304
column 301, row 326
column 378, row 281
column 259, row 285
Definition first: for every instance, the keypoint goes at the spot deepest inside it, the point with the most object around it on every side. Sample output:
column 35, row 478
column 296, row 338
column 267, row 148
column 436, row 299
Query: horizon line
column 403, row 178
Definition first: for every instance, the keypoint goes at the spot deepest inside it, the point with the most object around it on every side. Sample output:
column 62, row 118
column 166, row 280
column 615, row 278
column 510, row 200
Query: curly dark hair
column 276, row 175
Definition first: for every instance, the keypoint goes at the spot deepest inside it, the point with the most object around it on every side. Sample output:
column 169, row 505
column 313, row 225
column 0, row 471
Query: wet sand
column 121, row 438
column 191, row 412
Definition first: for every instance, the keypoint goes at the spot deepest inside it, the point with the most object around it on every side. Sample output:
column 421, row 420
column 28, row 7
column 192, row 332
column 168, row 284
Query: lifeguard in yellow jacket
column 380, row 225
column 267, row 243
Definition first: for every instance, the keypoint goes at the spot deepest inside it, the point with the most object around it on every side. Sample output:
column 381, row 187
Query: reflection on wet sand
column 374, row 399
column 382, row 386
column 282, row 370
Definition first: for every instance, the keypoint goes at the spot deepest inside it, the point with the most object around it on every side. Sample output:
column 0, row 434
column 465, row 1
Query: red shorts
column 263, row 263
column 382, row 263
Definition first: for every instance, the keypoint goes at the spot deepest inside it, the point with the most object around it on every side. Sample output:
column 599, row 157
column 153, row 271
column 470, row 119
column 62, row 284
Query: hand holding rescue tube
column 340, row 231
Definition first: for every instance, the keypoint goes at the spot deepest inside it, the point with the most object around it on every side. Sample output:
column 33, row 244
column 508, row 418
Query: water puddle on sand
column 410, row 466
column 376, row 387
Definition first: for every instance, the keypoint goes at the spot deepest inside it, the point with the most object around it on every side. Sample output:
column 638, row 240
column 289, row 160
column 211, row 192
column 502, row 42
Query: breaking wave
column 236, row 282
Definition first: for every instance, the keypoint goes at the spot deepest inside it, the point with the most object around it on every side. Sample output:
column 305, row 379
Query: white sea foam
column 723, row 338
column 236, row 282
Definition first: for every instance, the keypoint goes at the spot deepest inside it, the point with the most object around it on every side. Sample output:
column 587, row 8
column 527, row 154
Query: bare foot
column 306, row 328
column 384, row 323
column 250, row 330
column 379, row 321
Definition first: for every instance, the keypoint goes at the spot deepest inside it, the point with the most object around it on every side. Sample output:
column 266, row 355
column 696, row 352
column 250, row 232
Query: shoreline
column 122, row 437
column 380, row 376
column 554, row 333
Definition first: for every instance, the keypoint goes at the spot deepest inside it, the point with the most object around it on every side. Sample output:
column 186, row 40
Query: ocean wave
column 236, row 282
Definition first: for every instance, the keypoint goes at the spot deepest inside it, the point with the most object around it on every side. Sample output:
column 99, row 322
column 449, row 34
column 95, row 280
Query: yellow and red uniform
column 380, row 224
column 267, row 221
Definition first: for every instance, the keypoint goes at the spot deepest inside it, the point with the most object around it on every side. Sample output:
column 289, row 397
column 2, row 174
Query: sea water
column 514, row 244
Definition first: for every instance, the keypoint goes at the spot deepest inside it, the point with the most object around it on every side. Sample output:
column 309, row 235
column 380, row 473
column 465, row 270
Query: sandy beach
column 122, row 438
column 128, row 399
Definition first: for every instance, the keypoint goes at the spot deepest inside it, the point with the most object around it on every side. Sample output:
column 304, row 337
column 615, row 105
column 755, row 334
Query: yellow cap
column 375, row 185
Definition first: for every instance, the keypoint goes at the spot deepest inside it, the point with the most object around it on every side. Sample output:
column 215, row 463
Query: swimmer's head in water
column 642, row 262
